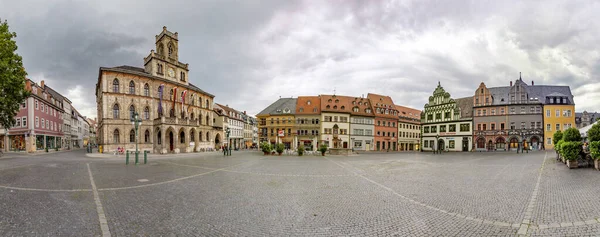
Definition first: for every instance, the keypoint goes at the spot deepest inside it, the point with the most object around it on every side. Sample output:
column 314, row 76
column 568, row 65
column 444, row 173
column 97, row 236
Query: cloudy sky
column 249, row 53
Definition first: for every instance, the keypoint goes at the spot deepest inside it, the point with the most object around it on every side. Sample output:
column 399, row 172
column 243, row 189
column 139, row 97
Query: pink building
column 38, row 122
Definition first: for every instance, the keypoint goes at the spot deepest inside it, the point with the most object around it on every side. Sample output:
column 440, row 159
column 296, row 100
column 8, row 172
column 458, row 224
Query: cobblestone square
column 248, row 194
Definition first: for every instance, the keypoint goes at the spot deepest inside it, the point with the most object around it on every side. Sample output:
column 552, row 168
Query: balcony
column 176, row 121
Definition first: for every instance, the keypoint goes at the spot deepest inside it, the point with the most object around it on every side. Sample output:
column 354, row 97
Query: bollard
column 136, row 157
column 127, row 158
column 145, row 157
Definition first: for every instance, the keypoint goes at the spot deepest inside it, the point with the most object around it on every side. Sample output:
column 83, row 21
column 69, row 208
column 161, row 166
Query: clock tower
column 164, row 61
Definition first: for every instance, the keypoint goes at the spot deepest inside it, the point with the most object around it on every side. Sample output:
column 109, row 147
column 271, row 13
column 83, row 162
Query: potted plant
column 595, row 152
column 570, row 152
column 301, row 150
column 323, row 149
column 279, row 148
column 266, row 148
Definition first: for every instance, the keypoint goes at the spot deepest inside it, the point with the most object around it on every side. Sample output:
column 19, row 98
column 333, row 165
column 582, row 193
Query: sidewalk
column 13, row 154
column 150, row 155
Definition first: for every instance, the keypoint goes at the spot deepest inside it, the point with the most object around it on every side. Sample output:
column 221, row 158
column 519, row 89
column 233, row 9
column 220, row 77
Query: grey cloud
column 229, row 56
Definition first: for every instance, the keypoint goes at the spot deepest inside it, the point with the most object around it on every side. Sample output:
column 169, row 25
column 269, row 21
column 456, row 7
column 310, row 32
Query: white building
column 362, row 124
column 335, row 125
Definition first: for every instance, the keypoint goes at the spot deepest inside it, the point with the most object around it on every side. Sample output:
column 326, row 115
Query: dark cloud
column 249, row 53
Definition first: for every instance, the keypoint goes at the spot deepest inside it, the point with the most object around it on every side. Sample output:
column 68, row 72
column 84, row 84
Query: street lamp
column 228, row 152
column 352, row 144
column 136, row 122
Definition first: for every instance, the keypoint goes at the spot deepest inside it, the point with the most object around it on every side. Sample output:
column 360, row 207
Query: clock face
column 171, row 72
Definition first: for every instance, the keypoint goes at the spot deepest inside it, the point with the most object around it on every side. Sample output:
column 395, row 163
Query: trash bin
column 100, row 149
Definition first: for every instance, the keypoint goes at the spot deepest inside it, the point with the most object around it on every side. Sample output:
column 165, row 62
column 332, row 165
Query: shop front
column 39, row 142
column 17, row 142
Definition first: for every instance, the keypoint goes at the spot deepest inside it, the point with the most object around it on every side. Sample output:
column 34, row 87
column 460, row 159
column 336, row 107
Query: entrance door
column 171, row 141
column 465, row 144
column 345, row 145
column 441, row 145
column 490, row 146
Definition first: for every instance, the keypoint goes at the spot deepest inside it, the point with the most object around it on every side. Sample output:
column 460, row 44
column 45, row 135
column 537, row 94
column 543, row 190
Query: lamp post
column 352, row 144
column 437, row 141
column 228, row 152
column 136, row 122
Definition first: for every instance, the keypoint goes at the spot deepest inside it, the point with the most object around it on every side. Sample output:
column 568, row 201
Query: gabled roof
column 308, row 104
column 382, row 102
column 406, row 113
column 335, row 103
column 363, row 105
column 280, row 107
column 227, row 110
column 466, row 106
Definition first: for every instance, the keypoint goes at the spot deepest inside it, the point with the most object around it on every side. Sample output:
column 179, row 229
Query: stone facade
column 175, row 115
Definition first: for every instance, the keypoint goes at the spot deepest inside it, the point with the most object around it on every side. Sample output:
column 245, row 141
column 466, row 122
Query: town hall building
column 176, row 115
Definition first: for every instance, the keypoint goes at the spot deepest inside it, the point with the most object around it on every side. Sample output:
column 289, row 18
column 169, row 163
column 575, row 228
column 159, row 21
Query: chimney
column 244, row 111
column 510, row 83
column 533, row 84
column 42, row 84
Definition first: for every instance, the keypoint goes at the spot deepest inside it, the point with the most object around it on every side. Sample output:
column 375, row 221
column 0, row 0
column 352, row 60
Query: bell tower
column 164, row 62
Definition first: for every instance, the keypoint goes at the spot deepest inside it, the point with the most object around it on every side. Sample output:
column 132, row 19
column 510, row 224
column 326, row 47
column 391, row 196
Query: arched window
column 147, row 136
column 182, row 137
column 131, row 136
column 207, row 106
column 146, row 90
column 116, row 85
column 131, row 111
column 200, row 137
column 170, row 48
column 171, row 94
column 116, row 111
column 192, row 116
column 159, row 69
column 172, row 113
column 116, row 136
column 158, row 138
column 192, row 99
column 146, row 113
column 192, row 137
column 131, row 87
column 207, row 136
column 207, row 120
column 160, row 49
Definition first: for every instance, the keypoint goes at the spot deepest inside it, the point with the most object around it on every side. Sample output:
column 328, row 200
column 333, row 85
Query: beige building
column 176, row 115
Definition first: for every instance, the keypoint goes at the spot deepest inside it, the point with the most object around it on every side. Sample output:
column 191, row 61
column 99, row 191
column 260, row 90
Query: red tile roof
column 309, row 105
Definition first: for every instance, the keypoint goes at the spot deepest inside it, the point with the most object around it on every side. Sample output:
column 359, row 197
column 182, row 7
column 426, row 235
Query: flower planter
column 279, row 154
column 265, row 153
column 563, row 160
column 572, row 164
column 323, row 154
column 597, row 164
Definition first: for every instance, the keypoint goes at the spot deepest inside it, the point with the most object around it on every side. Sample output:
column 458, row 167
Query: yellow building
column 559, row 114
column 277, row 123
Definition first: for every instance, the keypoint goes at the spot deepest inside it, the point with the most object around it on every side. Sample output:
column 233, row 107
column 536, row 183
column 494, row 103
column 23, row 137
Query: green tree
column 557, row 137
column 594, row 133
column 12, row 77
column 571, row 135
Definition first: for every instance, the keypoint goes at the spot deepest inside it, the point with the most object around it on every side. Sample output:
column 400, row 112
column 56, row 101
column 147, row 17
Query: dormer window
column 343, row 107
column 329, row 100
column 308, row 102
column 337, row 101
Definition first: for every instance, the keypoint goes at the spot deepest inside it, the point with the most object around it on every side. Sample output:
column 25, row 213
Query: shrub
column 266, row 147
column 595, row 149
column 571, row 150
column 594, row 133
column 301, row 149
column 558, row 145
column 557, row 137
column 323, row 149
column 571, row 135
column 279, row 148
